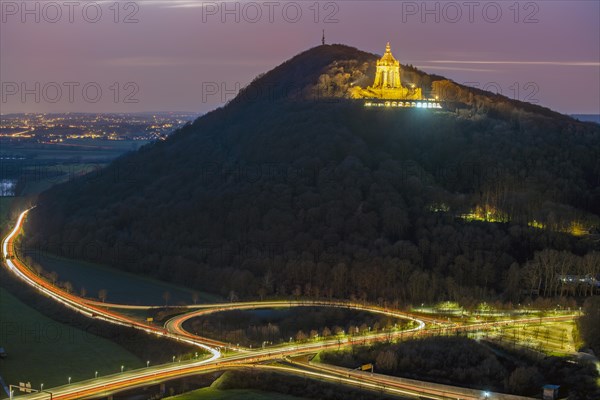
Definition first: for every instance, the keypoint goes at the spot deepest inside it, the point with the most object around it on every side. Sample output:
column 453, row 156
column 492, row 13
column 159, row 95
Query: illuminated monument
column 387, row 85
column 388, row 71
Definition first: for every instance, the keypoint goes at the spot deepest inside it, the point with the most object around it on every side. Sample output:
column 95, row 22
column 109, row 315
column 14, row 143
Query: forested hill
column 315, row 195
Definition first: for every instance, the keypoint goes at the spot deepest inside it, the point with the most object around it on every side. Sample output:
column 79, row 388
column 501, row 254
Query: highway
column 239, row 357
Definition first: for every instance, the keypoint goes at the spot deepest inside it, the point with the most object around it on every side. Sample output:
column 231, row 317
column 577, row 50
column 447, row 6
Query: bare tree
column 262, row 291
column 387, row 360
column 590, row 268
column 37, row 268
column 232, row 296
column 300, row 336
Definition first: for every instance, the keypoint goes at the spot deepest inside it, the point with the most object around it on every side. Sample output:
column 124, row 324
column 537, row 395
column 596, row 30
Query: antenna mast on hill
column 323, row 38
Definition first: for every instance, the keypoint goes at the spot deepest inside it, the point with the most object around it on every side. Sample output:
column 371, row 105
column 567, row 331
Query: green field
column 45, row 165
column 121, row 287
column 552, row 338
column 9, row 211
column 41, row 350
column 251, row 328
column 40, row 178
column 232, row 394
column 84, row 150
column 5, row 203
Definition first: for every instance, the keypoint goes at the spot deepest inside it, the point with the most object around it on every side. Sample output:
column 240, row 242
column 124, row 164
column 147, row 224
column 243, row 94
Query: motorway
column 239, row 357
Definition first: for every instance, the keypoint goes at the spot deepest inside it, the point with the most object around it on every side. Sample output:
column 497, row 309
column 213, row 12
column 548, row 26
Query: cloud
column 551, row 63
column 437, row 67
column 142, row 62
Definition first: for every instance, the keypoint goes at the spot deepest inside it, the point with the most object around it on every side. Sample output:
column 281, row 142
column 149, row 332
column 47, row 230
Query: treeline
column 465, row 362
column 588, row 325
column 296, row 197
column 296, row 324
column 561, row 273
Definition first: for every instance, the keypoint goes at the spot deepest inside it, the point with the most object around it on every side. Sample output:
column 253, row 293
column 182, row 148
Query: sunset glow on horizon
column 542, row 52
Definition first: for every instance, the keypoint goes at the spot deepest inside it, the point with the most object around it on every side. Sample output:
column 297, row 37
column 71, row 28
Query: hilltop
column 294, row 189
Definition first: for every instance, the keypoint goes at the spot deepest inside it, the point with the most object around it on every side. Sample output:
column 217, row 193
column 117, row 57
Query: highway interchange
column 239, row 357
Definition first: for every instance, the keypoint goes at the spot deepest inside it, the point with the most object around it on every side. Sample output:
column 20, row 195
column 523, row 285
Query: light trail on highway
column 135, row 378
column 217, row 361
column 75, row 303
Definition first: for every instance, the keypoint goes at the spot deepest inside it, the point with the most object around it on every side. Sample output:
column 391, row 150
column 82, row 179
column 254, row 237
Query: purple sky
column 548, row 51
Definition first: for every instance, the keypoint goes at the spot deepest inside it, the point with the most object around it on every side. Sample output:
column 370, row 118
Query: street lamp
column 41, row 387
column 147, row 364
column 122, row 367
column 173, row 358
column 196, row 354
column 69, row 380
column 96, row 374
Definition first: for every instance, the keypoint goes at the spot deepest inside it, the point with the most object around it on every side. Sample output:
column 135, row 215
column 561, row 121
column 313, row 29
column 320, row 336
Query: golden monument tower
column 388, row 71
column 387, row 85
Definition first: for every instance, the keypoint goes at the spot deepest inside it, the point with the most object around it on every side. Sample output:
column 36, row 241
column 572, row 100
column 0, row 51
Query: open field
column 41, row 350
column 80, row 149
column 552, row 338
column 231, row 394
column 5, row 203
column 41, row 166
column 121, row 287
column 9, row 210
column 39, row 178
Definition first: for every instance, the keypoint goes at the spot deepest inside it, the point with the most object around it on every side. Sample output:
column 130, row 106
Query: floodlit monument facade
column 387, row 84
column 388, row 71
